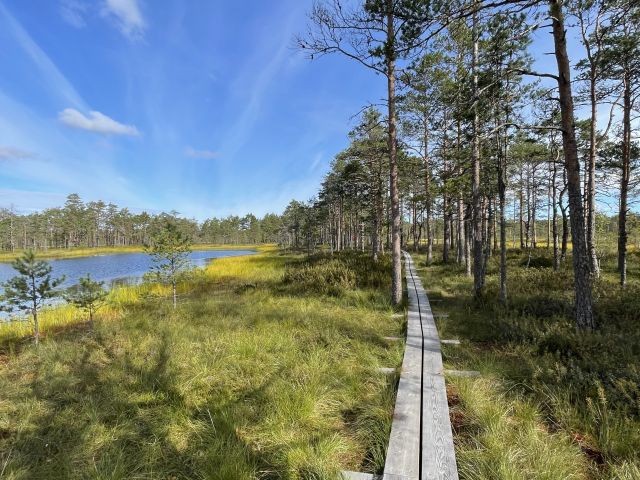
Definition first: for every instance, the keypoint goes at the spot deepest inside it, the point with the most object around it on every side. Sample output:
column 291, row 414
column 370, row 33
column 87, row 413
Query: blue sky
column 203, row 107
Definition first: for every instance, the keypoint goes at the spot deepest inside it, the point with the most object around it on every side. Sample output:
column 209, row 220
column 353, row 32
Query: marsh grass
column 246, row 379
column 551, row 402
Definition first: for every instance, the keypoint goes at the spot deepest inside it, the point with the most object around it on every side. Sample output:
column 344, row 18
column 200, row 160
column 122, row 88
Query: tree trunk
column 591, row 175
column 565, row 221
column 175, row 296
column 478, row 261
column 396, row 266
column 461, row 235
column 554, row 192
column 36, row 325
column 521, row 209
column 581, row 268
column 446, row 229
column 490, row 224
column 534, row 210
column 427, row 193
column 624, row 181
column 374, row 237
column 414, row 223
column 502, row 201
column 468, row 241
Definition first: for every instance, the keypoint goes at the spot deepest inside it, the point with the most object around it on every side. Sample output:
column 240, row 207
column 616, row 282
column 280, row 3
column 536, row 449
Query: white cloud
column 127, row 16
column 10, row 153
column 95, row 122
column 206, row 154
column 73, row 12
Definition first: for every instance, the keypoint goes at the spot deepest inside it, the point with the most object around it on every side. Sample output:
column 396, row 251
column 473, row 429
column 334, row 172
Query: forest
column 96, row 224
column 482, row 148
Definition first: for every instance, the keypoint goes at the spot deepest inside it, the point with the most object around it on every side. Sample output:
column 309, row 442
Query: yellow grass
column 58, row 317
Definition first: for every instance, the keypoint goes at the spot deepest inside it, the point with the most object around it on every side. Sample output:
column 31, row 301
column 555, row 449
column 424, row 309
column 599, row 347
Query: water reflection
column 116, row 269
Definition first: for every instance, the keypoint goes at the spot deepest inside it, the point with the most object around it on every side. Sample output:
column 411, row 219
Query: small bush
column 329, row 278
column 333, row 274
column 537, row 262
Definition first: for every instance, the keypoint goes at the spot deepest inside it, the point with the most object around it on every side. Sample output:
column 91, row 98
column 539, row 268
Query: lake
column 116, row 268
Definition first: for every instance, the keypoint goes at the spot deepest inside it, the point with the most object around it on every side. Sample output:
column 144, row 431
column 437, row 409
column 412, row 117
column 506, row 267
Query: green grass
column 75, row 252
column 551, row 402
column 249, row 378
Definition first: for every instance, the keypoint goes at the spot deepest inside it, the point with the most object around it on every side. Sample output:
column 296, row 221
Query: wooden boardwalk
column 421, row 442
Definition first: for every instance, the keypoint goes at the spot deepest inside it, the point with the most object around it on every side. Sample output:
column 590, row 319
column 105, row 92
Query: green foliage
column 88, row 296
column 170, row 253
column 31, row 288
column 95, row 225
column 333, row 275
column 537, row 262
column 327, row 277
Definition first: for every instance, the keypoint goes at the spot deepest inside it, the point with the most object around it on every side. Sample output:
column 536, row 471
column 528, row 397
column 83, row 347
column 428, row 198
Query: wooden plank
column 424, row 391
column 453, row 341
column 438, row 453
column 403, row 453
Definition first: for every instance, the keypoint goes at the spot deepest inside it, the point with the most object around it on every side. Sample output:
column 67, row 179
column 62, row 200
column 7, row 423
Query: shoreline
column 83, row 252
column 17, row 327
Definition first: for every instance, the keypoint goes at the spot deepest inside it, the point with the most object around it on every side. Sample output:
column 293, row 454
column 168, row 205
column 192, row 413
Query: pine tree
column 29, row 290
column 88, row 296
column 170, row 254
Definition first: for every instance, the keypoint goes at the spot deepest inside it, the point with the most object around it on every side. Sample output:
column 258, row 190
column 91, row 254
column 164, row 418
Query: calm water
column 116, row 268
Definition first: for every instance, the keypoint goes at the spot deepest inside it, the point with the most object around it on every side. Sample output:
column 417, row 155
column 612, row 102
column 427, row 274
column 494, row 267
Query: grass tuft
column 553, row 402
column 246, row 379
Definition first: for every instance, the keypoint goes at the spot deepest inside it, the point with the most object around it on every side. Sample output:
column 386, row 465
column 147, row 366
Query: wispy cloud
column 56, row 81
column 95, row 122
column 270, row 65
column 11, row 153
column 73, row 12
column 318, row 160
column 203, row 154
column 127, row 16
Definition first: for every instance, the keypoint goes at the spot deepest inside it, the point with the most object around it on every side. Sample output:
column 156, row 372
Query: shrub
column 330, row 278
column 537, row 262
column 333, row 274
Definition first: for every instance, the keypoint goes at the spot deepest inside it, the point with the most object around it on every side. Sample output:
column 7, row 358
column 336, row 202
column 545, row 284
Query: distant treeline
column 98, row 224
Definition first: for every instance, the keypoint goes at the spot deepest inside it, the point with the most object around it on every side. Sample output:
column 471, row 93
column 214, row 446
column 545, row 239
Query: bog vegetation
column 516, row 187
column 552, row 402
column 249, row 377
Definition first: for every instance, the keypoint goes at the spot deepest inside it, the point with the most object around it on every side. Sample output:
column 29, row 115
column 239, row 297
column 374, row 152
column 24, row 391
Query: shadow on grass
column 109, row 416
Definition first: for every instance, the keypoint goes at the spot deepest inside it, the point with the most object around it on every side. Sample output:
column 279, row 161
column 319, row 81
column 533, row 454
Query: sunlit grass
column 551, row 402
column 60, row 316
column 247, row 379
column 501, row 436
